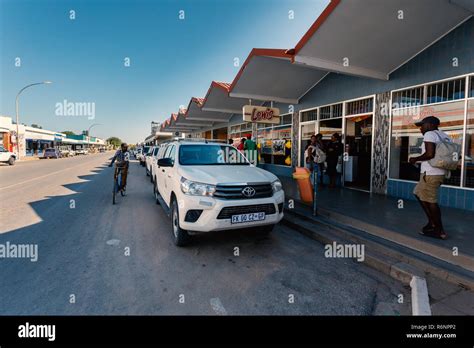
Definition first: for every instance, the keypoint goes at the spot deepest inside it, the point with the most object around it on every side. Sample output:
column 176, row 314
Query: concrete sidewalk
column 392, row 241
column 382, row 216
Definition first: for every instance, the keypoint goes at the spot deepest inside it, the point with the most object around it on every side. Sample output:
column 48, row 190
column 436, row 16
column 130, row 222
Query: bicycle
column 118, row 182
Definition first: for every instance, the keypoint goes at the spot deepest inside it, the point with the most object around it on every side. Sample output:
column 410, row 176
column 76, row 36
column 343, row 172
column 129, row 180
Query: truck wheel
column 156, row 194
column 265, row 230
column 11, row 161
column 180, row 236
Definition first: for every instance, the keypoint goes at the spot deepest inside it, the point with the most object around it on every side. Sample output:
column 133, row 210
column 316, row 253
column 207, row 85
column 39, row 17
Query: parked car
column 72, row 153
column 142, row 154
column 101, row 150
column 149, row 159
column 217, row 189
column 65, row 151
column 81, row 151
column 51, row 153
column 7, row 156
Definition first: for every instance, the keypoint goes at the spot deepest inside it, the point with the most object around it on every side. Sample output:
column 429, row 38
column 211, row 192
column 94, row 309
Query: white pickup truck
column 7, row 156
column 207, row 187
column 151, row 157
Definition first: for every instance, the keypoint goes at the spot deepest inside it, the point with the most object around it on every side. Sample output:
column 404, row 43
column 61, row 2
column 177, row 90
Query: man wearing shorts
column 431, row 178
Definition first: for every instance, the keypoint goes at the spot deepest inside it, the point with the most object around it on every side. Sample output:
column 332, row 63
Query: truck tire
column 180, row 236
column 156, row 194
column 265, row 230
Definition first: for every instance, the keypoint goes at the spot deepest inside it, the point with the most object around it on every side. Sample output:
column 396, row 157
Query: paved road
column 64, row 206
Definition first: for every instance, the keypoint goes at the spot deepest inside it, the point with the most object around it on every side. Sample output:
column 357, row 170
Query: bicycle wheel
column 120, row 184
column 116, row 187
column 114, row 191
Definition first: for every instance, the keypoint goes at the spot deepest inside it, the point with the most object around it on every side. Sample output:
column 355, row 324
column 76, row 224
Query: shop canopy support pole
column 315, row 188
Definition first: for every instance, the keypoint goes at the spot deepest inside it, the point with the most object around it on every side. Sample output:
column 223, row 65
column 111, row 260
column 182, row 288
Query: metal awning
column 269, row 75
column 196, row 113
column 373, row 38
column 218, row 100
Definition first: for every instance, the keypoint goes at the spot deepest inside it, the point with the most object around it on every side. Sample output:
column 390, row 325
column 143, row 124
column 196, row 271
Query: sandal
column 433, row 234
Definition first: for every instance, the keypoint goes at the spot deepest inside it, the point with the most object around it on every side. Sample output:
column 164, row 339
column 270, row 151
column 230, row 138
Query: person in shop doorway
column 431, row 178
column 317, row 157
column 334, row 151
column 307, row 160
column 250, row 149
column 241, row 145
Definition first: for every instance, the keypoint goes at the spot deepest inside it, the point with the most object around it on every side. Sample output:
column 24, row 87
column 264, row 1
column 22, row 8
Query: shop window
column 406, row 138
column 471, row 86
column 337, row 110
column 274, row 143
column 240, row 131
column 307, row 130
column 310, row 115
column 445, row 91
column 407, row 98
column 361, row 106
column 429, row 94
column 325, row 112
column 286, row 119
column 328, row 127
column 469, row 150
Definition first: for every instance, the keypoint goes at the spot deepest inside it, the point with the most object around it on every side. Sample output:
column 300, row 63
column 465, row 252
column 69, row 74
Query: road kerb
column 420, row 302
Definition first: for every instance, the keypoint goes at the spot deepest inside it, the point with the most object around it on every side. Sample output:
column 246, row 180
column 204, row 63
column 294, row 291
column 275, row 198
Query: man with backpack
column 316, row 157
column 438, row 156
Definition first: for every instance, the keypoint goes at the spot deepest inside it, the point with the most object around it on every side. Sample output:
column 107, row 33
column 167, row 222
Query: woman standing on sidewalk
column 334, row 150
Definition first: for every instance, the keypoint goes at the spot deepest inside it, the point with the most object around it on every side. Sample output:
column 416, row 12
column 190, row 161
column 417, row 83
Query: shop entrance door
column 307, row 130
column 358, row 152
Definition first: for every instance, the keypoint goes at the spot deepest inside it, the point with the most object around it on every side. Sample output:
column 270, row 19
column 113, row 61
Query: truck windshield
column 210, row 155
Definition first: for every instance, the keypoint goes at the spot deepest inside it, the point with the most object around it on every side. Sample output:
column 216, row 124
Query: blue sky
column 171, row 59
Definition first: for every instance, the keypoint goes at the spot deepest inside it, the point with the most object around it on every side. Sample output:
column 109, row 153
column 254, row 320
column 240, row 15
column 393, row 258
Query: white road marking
column 217, row 306
column 113, row 242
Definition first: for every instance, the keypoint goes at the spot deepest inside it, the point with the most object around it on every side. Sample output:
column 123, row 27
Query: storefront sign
column 261, row 114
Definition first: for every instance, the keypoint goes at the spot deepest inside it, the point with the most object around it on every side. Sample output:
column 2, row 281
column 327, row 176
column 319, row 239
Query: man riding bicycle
column 122, row 157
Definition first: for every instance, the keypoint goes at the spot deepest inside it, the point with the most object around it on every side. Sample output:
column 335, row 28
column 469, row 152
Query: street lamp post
column 89, row 129
column 17, row 101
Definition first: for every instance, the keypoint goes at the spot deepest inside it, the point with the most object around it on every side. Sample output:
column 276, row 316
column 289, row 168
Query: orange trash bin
column 303, row 178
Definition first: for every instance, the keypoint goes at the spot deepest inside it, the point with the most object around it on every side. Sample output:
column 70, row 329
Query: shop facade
column 376, row 120
column 5, row 135
column 372, row 102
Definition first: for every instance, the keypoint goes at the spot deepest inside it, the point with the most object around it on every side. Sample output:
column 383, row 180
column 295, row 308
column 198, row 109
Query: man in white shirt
column 431, row 178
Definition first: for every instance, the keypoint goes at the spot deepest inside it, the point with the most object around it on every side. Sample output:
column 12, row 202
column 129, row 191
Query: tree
column 68, row 132
column 114, row 141
column 34, row 125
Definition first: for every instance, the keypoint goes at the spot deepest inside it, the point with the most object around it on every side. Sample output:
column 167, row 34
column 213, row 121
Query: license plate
column 237, row 219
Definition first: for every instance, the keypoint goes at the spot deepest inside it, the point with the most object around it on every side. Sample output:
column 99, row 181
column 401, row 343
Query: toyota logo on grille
column 248, row 191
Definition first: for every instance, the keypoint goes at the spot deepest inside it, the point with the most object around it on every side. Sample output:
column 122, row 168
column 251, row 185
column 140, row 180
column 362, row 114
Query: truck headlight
column 277, row 186
column 196, row 188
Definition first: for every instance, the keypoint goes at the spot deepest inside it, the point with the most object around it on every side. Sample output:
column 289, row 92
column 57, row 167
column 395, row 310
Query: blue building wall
column 434, row 63
column 448, row 196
